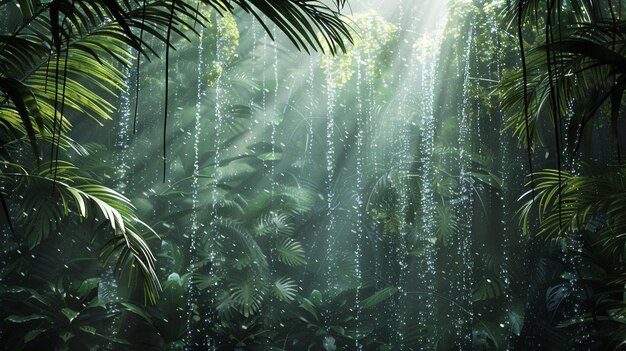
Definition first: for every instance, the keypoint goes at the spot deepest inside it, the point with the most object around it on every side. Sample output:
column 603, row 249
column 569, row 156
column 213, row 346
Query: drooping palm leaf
column 80, row 196
column 302, row 21
column 598, row 193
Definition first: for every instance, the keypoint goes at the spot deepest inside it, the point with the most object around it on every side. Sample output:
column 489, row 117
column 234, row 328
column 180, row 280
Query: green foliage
column 247, row 294
column 168, row 321
column 374, row 36
column 446, row 224
column 379, row 297
column 321, row 329
column 67, row 62
column 60, row 315
column 290, row 252
column 57, row 192
column 285, row 289
column 227, row 37
column 279, row 244
column 274, row 223
column 568, row 203
column 488, row 288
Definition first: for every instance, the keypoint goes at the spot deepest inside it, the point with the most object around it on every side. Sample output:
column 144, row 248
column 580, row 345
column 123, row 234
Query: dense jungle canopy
column 312, row 175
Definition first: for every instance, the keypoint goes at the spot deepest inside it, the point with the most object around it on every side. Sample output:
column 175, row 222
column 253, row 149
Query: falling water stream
column 109, row 292
column 428, row 59
column 195, row 225
column 358, row 227
column 221, row 102
column 330, row 180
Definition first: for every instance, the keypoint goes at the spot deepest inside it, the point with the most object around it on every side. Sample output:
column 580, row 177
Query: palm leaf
column 487, row 289
column 88, row 200
column 301, row 21
column 446, row 224
column 285, row 289
column 247, row 295
column 274, row 223
column 290, row 252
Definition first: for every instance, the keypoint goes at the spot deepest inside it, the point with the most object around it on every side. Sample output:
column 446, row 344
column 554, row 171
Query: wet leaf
column 31, row 335
column 379, row 296
column 69, row 313
column 22, row 319
column 270, row 156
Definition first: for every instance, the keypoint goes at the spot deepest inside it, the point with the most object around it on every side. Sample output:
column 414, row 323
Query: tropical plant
column 569, row 79
column 166, row 326
column 252, row 253
column 60, row 315
column 362, row 200
column 566, row 99
column 61, row 61
column 327, row 323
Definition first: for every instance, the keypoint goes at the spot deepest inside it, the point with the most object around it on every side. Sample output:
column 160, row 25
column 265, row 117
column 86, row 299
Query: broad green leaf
column 316, row 298
column 31, row 335
column 87, row 286
column 487, row 288
column 69, row 313
column 290, row 252
column 379, row 296
column 140, row 311
column 285, row 289
column 308, row 306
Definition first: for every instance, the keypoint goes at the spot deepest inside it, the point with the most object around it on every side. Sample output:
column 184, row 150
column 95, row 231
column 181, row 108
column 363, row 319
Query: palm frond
column 302, row 21
column 487, row 288
column 588, row 75
column 80, row 196
column 247, row 295
column 274, row 223
column 285, row 289
column 446, row 224
column 240, row 244
column 290, row 252
column 593, row 201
